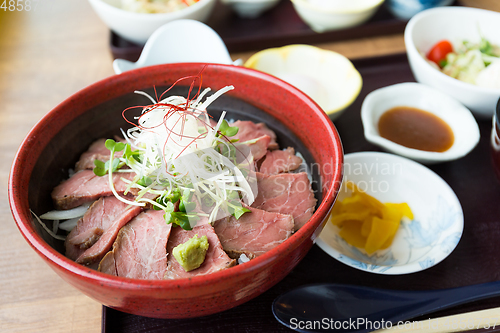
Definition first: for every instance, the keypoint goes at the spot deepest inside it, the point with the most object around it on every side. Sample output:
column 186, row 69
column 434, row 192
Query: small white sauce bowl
column 416, row 95
column 454, row 24
column 250, row 8
column 326, row 15
column 419, row 244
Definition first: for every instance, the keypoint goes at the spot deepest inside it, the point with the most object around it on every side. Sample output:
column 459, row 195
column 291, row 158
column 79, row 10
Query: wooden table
column 45, row 56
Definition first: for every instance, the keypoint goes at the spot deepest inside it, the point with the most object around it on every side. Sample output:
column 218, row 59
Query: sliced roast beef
column 140, row 249
column 96, row 151
column 286, row 193
column 259, row 146
column 96, row 231
column 254, row 233
column 248, row 130
column 278, row 161
column 84, row 186
column 215, row 260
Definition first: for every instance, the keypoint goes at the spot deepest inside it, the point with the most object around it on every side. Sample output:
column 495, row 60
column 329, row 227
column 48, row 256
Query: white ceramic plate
column 422, row 243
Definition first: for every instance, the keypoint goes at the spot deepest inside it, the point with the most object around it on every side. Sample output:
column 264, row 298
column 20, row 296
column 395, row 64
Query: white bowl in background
column 425, row 241
column 138, row 27
column 325, row 15
column 405, row 9
column 328, row 77
column 250, row 8
column 411, row 94
column 159, row 50
column 454, row 24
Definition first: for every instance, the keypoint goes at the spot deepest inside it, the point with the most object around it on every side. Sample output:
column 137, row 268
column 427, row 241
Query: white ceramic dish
column 422, row 243
column 250, row 8
column 329, row 78
column 138, row 27
column 405, row 9
column 458, row 117
column 159, row 50
column 454, row 24
column 325, row 15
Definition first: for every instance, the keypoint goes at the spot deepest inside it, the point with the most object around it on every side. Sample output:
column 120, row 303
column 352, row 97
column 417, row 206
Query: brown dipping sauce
column 415, row 128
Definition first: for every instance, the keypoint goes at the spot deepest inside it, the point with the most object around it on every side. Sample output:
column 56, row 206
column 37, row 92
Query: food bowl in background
column 326, row 15
column 405, row 9
column 158, row 49
column 250, row 8
column 58, row 139
column 418, row 244
column 495, row 141
column 454, row 24
column 138, row 27
column 416, row 95
column 327, row 77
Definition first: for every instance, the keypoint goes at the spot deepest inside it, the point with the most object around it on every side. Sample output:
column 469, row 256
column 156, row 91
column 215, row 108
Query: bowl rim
column 367, row 111
column 254, row 58
column 415, row 54
column 156, row 16
column 326, row 11
column 401, row 269
column 20, row 207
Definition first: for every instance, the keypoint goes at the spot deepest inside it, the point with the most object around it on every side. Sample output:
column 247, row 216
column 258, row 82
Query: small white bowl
column 458, row 117
column 138, row 27
column 250, row 8
column 419, row 244
column 329, row 78
column 325, row 15
column 405, row 9
column 454, row 24
column 159, row 50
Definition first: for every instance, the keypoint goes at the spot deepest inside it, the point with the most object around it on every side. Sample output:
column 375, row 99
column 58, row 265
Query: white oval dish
column 457, row 116
column 159, row 50
column 454, row 24
column 329, row 78
column 422, row 243
column 138, row 27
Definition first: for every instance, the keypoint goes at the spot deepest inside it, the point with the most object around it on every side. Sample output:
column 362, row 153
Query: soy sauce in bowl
column 415, row 128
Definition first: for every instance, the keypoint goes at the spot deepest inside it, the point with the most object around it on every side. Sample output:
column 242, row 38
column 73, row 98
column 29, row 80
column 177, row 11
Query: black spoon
column 346, row 308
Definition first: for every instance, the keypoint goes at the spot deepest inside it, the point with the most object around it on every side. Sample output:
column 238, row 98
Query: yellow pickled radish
column 367, row 223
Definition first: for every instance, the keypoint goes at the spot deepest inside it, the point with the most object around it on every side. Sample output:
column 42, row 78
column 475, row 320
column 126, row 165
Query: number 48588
column 19, row 5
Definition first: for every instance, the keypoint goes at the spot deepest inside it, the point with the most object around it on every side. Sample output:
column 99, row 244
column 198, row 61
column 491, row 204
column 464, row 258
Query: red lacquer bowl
column 55, row 143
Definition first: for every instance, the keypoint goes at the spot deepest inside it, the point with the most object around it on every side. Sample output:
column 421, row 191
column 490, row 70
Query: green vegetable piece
column 145, row 181
column 186, row 205
column 227, row 130
column 114, row 146
column 238, row 212
column 191, row 254
column 100, row 168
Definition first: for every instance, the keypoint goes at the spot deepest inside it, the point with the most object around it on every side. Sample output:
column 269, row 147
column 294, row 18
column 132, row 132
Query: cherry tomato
column 439, row 51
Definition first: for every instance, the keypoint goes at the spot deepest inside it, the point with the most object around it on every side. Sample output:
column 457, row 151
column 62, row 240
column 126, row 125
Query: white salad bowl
column 137, row 27
column 416, row 95
column 454, row 24
column 420, row 243
column 326, row 15
column 158, row 49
